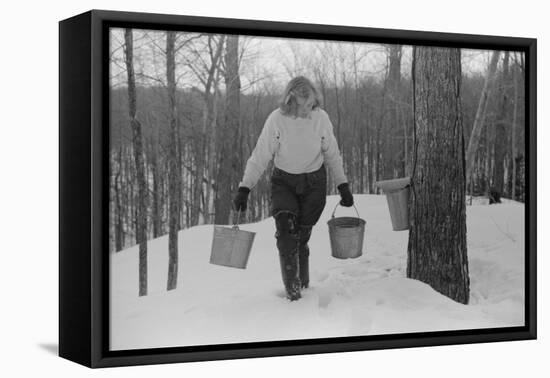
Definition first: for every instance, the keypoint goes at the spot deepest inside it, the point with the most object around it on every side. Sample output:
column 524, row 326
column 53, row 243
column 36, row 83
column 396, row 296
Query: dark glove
column 241, row 198
column 347, row 197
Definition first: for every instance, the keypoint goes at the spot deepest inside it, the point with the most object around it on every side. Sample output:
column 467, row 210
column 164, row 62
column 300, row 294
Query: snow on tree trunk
column 437, row 251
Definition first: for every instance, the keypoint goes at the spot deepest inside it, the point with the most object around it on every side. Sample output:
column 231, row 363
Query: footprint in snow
column 361, row 321
column 322, row 276
column 325, row 297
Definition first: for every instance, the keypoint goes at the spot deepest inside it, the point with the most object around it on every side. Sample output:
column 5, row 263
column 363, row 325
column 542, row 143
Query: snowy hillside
column 364, row 296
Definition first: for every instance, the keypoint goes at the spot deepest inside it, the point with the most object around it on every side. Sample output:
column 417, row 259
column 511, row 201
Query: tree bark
column 437, row 251
column 137, row 141
column 173, row 193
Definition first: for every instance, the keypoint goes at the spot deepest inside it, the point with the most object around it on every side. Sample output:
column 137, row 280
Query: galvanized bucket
column 231, row 246
column 397, row 194
column 346, row 235
column 398, row 203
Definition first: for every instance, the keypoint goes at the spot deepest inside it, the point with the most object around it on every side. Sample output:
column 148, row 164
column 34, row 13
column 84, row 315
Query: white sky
column 268, row 62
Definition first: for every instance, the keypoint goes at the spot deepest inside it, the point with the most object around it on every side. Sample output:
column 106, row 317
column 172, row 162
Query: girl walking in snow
column 299, row 137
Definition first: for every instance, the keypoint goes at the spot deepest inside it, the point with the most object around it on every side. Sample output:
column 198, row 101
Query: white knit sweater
column 297, row 145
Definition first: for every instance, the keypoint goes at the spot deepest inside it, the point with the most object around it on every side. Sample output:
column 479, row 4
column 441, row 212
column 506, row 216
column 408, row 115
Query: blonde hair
column 299, row 86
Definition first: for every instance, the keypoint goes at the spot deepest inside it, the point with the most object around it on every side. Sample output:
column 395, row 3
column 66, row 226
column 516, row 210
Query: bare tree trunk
column 213, row 137
column 180, row 161
column 188, row 184
column 394, row 158
column 360, row 106
column 406, row 154
column 370, row 162
column 173, row 193
column 488, row 158
column 128, row 190
column 156, row 208
column 141, row 219
column 513, row 132
column 338, row 116
column 200, row 162
column 119, row 226
column 480, row 114
column 437, row 250
column 228, row 162
column 379, row 146
column 200, row 158
column 500, row 127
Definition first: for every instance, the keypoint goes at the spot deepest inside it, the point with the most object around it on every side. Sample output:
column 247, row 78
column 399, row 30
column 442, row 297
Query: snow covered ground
column 365, row 296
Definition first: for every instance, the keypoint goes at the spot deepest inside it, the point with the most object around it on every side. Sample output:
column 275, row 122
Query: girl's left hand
column 345, row 194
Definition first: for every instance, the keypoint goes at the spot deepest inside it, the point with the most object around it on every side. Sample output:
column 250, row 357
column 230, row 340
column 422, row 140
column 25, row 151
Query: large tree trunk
column 501, row 134
column 437, row 252
column 137, row 142
column 481, row 112
column 228, row 161
column 173, row 193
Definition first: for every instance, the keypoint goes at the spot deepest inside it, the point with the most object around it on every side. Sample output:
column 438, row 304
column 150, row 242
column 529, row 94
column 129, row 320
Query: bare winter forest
column 186, row 110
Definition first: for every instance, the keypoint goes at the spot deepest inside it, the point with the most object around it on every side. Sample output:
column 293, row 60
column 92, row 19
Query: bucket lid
column 393, row 185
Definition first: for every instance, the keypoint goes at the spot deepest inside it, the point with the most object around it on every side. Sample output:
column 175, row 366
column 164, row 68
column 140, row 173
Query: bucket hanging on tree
column 397, row 193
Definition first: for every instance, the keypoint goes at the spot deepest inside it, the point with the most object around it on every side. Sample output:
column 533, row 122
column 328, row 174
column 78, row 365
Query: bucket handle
column 338, row 203
column 236, row 225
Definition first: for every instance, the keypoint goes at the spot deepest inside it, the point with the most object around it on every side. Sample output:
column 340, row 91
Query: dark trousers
column 297, row 202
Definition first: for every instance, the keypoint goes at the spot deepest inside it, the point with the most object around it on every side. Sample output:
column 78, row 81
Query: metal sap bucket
column 397, row 194
column 231, row 246
column 346, row 236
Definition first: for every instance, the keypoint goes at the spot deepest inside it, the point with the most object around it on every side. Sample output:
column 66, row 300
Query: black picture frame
column 83, row 195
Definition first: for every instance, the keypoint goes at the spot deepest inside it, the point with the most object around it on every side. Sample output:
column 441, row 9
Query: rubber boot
column 291, row 274
column 305, row 234
column 303, row 264
column 288, row 243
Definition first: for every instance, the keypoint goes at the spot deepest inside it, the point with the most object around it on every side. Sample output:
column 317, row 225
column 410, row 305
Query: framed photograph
column 235, row 188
